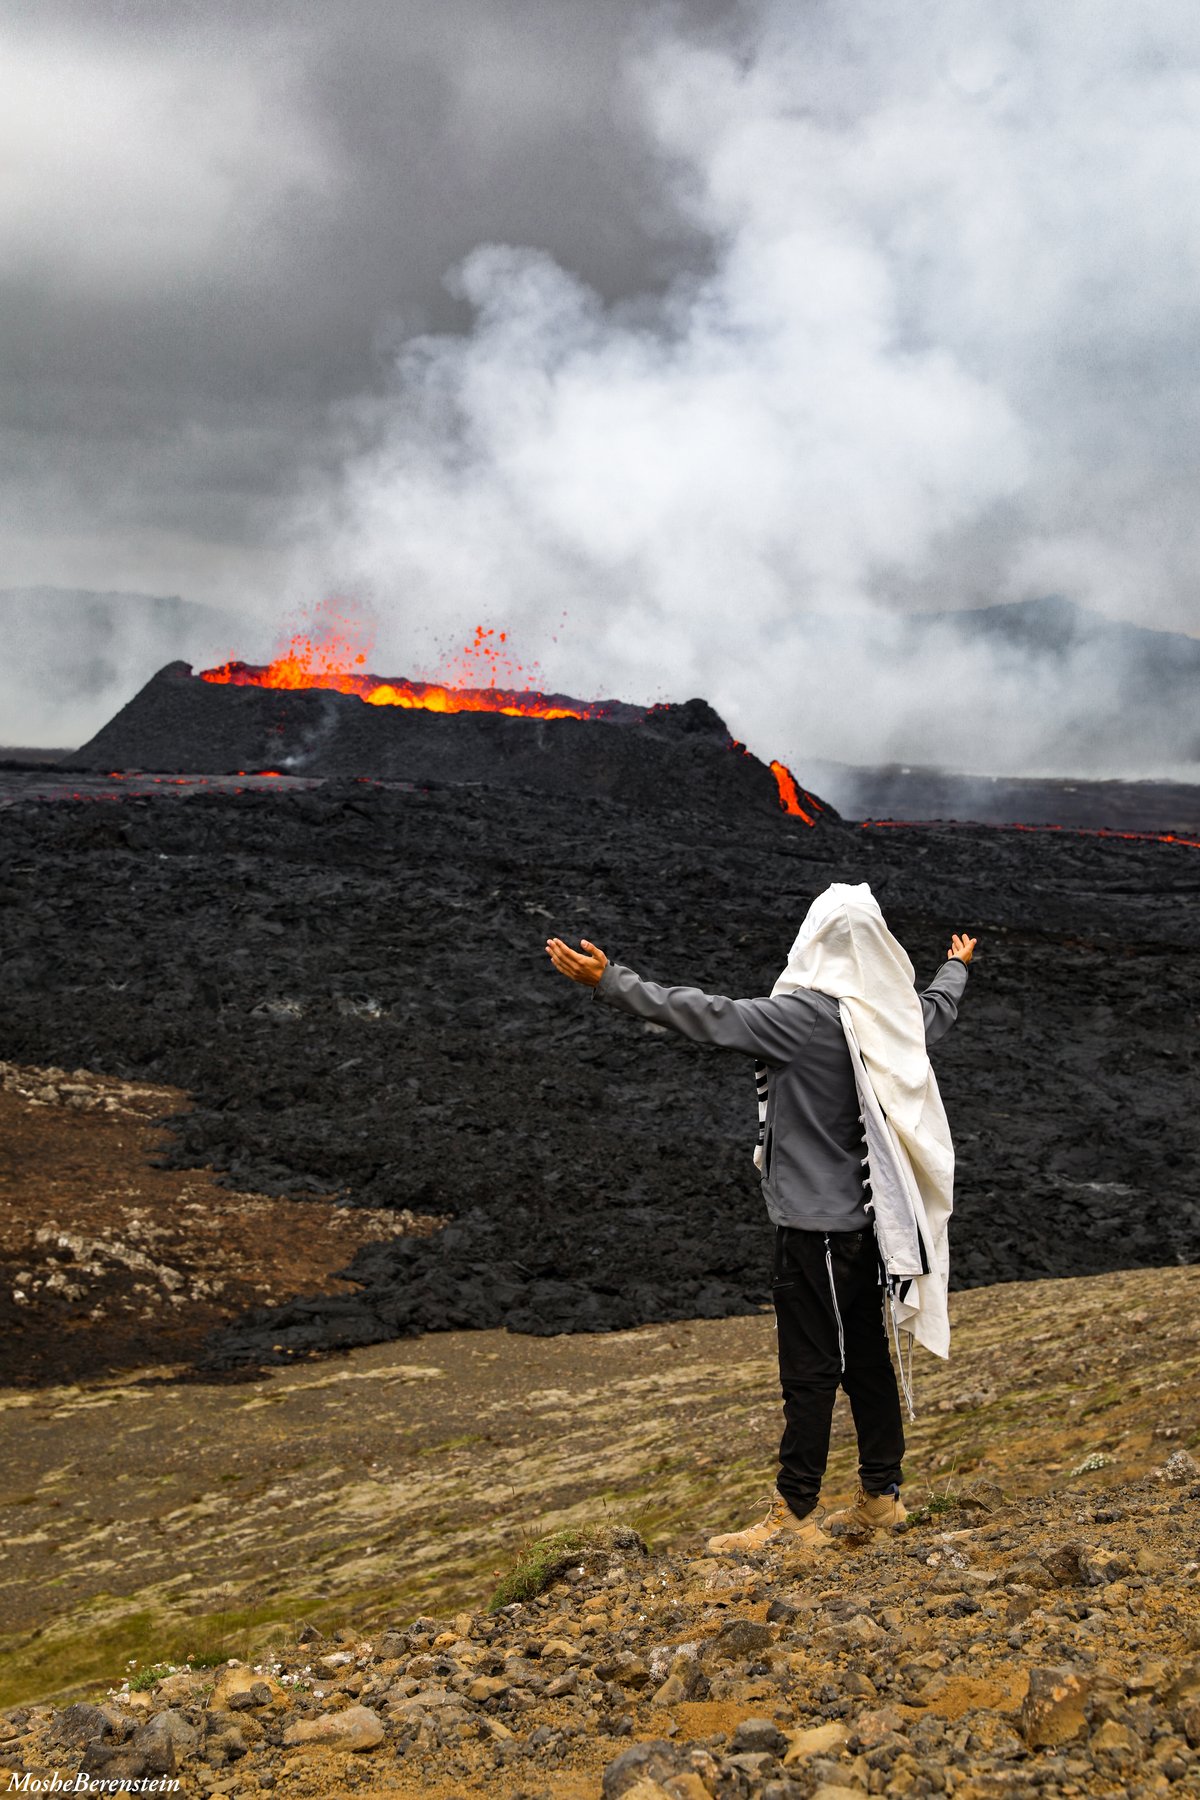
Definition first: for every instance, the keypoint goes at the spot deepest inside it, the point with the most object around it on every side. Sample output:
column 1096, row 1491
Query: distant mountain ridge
column 1039, row 687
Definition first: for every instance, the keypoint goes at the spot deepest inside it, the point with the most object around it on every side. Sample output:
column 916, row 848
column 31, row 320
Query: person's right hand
column 586, row 968
column 962, row 949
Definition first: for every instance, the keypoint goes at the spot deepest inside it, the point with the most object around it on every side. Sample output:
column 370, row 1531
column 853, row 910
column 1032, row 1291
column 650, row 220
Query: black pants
column 811, row 1267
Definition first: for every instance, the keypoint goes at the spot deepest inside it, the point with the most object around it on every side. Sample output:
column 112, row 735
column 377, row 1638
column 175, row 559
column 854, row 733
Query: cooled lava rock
column 351, row 980
column 640, row 756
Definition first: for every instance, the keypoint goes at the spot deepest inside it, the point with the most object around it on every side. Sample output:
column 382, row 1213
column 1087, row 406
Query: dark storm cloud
column 215, row 214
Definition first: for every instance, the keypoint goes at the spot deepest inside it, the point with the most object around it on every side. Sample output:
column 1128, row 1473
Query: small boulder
column 354, row 1728
column 1180, row 1466
column 653, row 1762
column 1115, row 1749
column 164, row 1740
column 742, row 1637
column 759, row 1734
column 1098, row 1567
column 78, row 1725
column 816, row 1740
column 1052, row 1712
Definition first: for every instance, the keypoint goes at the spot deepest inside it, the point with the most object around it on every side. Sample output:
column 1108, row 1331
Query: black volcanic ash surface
column 351, row 980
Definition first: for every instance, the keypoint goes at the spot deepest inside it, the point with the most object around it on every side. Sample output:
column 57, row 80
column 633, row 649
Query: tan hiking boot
column 780, row 1527
column 870, row 1512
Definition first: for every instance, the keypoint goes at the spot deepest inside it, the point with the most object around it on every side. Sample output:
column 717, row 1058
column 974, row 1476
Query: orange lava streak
column 789, row 796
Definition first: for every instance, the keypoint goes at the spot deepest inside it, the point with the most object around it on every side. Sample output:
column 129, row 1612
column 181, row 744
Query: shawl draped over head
column 844, row 949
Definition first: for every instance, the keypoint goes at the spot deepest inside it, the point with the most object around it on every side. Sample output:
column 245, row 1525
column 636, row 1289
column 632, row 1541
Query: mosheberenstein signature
column 28, row 1783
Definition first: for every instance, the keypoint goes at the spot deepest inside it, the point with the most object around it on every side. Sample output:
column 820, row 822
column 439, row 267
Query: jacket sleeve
column 939, row 1002
column 772, row 1030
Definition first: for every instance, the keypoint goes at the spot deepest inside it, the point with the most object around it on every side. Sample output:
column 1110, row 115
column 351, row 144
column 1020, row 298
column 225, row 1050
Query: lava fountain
column 335, row 660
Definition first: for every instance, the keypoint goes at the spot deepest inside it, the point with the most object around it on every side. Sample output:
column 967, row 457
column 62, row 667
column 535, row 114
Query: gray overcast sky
column 215, row 218
column 684, row 321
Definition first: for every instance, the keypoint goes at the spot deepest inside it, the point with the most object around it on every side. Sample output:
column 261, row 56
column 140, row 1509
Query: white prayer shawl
column 845, row 949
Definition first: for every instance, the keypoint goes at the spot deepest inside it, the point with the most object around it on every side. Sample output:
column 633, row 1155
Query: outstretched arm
column 773, row 1030
column 939, row 1002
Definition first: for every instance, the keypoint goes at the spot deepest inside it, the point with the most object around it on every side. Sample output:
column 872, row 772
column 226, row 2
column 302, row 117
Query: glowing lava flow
column 333, row 662
column 1098, row 831
column 789, row 793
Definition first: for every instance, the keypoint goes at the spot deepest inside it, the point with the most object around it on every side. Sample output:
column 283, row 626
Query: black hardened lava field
column 349, row 976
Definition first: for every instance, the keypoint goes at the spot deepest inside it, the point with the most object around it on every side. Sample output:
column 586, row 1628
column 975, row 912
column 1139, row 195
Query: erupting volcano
column 317, row 710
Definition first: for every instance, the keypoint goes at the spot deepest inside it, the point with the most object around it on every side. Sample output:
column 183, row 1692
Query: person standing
column 857, row 1169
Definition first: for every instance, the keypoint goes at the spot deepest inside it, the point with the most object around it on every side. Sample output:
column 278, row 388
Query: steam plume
column 883, row 394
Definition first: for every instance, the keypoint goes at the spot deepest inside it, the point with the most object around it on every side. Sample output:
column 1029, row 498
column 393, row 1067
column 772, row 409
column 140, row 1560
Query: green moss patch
column 548, row 1557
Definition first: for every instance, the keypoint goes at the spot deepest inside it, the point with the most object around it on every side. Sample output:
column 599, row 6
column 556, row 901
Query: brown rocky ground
column 306, row 1522
column 108, row 1262
column 991, row 1650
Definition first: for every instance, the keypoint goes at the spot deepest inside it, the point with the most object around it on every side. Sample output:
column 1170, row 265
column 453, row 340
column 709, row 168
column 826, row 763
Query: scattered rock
column 238, row 1689
column 1052, row 1712
column 354, row 1728
column 877, row 1675
column 652, row 1763
column 742, row 1637
column 165, row 1740
column 1096, row 1567
column 78, row 1725
column 760, row 1734
column 817, row 1740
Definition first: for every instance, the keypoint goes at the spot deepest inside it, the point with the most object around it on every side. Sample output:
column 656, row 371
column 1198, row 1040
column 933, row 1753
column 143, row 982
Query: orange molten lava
column 790, row 795
column 334, row 661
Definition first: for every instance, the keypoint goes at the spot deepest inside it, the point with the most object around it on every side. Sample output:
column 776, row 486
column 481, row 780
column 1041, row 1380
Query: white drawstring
column 833, row 1296
column 905, row 1380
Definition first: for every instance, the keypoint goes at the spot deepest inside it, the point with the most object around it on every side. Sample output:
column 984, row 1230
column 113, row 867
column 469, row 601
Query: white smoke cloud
column 941, row 356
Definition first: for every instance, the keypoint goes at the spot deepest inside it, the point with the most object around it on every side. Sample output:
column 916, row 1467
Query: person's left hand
column 585, row 969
